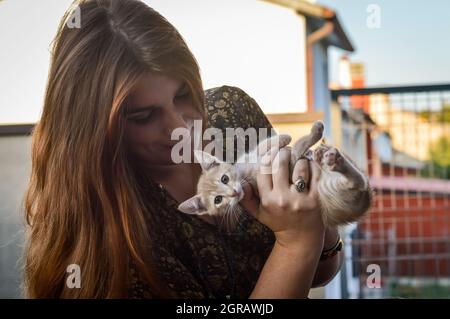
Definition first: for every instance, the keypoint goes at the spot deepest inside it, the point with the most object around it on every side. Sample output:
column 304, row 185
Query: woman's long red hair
column 83, row 203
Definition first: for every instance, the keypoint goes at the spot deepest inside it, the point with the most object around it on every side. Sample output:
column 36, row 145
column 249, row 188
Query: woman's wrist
column 289, row 271
column 300, row 242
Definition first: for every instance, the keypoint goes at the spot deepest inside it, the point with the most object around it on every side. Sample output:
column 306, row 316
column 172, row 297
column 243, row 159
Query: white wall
column 252, row 44
column 255, row 45
column 322, row 95
column 26, row 29
column 14, row 172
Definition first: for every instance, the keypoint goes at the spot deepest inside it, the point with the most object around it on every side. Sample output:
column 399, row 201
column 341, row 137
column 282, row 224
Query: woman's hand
column 296, row 222
column 294, row 217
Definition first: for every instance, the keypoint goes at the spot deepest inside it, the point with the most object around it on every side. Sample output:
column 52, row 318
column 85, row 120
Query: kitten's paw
column 333, row 159
column 309, row 154
column 319, row 153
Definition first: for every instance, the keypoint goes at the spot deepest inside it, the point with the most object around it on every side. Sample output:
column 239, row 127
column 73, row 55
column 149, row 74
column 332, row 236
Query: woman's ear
column 206, row 160
column 193, row 206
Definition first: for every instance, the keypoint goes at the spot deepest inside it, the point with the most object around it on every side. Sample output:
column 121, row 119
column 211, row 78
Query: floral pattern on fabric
column 196, row 259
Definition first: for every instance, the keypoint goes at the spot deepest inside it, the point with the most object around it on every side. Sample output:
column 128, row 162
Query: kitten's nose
column 235, row 193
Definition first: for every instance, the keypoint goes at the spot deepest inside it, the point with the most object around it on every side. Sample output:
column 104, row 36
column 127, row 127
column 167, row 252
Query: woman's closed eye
column 144, row 116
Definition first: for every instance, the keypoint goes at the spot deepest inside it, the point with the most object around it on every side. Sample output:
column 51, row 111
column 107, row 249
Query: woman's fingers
column 264, row 176
column 280, row 169
column 301, row 169
column 316, row 171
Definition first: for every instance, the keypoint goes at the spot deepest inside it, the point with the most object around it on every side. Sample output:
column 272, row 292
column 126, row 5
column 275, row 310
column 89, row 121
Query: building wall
column 409, row 132
column 253, row 44
column 294, row 124
column 415, row 228
column 14, row 172
column 321, row 91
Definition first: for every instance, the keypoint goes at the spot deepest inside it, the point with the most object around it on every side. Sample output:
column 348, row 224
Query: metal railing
column 400, row 136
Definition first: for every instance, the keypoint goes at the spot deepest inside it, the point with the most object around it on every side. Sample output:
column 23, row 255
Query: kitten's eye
column 225, row 179
column 217, row 200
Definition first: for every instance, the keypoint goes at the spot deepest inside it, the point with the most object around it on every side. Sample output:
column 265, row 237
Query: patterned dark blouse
column 195, row 258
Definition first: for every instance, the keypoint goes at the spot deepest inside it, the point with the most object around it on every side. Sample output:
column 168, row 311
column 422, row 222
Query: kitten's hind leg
column 337, row 162
column 319, row 152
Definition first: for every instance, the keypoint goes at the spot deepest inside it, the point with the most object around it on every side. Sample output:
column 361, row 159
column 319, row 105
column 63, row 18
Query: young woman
column 103, row 190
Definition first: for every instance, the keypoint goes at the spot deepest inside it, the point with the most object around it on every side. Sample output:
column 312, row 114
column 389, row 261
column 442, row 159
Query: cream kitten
column 344, row 191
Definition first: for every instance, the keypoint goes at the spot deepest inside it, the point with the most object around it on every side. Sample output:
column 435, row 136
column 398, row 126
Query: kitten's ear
column 193, row 206
column 206, row 160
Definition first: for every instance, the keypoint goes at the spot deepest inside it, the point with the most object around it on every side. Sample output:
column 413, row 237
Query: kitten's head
column 219, row 188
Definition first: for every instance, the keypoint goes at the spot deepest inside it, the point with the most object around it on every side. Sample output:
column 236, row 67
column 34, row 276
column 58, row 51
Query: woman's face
column 158, row 105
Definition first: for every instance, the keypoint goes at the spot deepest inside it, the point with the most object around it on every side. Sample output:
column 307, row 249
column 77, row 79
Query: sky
column 412, row 45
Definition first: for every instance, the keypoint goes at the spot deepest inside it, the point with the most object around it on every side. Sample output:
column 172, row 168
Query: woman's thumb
column 250, row 202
